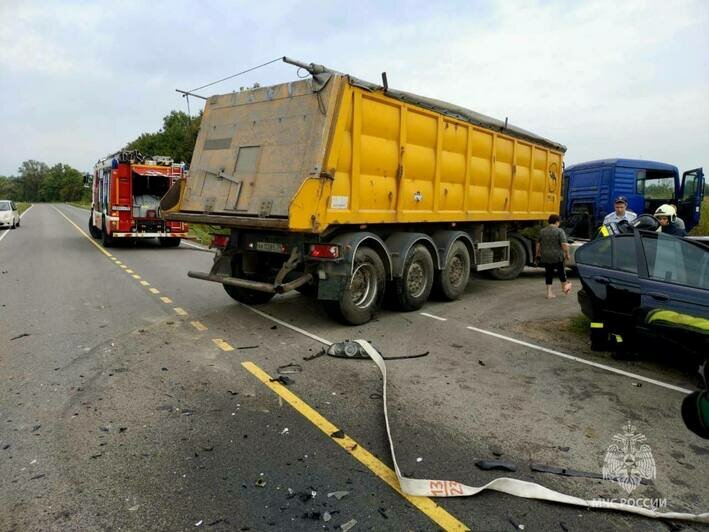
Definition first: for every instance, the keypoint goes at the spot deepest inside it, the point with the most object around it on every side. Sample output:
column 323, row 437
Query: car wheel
column 94, row 231
column 106, row 239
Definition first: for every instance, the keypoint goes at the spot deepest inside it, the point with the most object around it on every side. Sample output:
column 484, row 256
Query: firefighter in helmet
column 667, row 216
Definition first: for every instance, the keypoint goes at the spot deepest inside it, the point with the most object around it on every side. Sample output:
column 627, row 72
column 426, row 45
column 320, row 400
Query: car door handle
column 658, row 296
column 601, row 280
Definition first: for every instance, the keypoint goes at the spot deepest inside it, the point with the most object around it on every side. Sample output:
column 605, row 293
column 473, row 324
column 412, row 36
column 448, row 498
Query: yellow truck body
column 345, row 189
column 305, row 158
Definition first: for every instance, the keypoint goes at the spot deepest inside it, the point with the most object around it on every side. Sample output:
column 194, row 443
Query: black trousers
column 549, row 272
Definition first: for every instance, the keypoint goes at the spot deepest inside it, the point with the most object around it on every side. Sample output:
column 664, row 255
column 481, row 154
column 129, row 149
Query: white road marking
column 196, row 246
column 21, row 215
column 433, row 316
column 288, row 325
column 583, row 361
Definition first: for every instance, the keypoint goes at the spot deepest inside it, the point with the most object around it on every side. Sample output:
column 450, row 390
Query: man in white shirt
column 621, row 212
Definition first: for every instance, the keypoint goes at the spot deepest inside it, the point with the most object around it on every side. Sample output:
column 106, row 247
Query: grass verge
column 22, row 206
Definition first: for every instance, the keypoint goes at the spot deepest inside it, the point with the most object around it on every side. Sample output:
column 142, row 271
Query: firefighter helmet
column 667, row 211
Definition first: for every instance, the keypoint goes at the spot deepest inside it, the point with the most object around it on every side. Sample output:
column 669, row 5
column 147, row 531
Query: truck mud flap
column 253, row 285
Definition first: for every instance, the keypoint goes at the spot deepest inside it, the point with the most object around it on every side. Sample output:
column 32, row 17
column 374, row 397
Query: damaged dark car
column 641, row 288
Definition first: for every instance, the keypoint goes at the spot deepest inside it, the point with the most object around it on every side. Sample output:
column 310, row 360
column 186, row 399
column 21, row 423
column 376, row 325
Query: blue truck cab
column 590, row 189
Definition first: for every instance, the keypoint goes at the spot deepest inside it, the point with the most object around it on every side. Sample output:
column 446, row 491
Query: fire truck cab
column 126, row 188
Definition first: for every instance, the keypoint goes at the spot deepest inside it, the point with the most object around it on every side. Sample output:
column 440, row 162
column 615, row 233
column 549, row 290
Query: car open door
column 675, row 290
column 690, row 202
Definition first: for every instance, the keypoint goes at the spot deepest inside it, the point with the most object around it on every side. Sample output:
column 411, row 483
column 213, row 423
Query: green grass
column 22, row 206
column 203, row 233
column 579, row 325
column 702, row 229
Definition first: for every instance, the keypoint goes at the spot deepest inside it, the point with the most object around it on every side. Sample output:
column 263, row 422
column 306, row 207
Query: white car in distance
column 9, row 217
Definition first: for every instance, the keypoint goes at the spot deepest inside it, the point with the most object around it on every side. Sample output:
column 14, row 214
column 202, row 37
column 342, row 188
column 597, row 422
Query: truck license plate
column 271, row 247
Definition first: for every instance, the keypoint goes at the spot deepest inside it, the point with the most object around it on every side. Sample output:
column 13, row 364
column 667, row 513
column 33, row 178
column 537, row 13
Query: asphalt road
column 122, row 407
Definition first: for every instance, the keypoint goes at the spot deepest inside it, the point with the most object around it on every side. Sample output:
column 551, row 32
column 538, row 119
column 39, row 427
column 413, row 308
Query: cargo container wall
column 256, row 147
column 395, row 162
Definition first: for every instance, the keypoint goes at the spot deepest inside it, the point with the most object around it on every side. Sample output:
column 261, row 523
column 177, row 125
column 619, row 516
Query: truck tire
column 106, row 239
column 169, row 242
column 412, row 289
column 245, row 295
column 363, row 296
column 94, row 231
column 451, row 281
column 518, row 259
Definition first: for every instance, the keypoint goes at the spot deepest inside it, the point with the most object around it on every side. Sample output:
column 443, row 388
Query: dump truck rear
column 350, row 190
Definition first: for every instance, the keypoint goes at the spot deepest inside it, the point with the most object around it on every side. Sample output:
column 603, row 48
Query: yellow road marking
column 145, row 283
column 198, row 325
column 119, row 262
column 166, row 299
column 135, row 276
column 437, row 514
column 123, row 266
column 180, row 311
column 154, row 291
column 100, row 247
column 129, row 271
column 221, row 344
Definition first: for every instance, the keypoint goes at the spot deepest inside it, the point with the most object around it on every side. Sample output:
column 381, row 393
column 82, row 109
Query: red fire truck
column 125, row 202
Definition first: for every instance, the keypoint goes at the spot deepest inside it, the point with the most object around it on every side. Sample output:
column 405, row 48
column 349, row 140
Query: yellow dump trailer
column 342, row 187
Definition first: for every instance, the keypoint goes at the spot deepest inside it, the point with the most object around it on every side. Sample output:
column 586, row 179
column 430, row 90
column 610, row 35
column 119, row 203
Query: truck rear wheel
column 169, row 242
column 414, row 286
column 451, row 281
column 363, row 296
column 518, row 259
column 247, row 296
column 94, row 231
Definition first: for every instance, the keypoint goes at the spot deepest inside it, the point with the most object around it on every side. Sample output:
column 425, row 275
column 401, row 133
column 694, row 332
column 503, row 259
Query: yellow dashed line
column 198, row 325
column 166, row 299
column 154, row 291
column 437, row 514
column 135, row 276
column 123, row 266
column 129, row 271
column 221, row 344
column 180, row 311
column 145, row 283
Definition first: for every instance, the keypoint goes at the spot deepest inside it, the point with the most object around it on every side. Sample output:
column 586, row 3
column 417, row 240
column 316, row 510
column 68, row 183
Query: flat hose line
column 511, row 486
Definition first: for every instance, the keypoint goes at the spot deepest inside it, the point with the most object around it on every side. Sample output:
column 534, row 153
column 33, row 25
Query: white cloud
column 605, row 78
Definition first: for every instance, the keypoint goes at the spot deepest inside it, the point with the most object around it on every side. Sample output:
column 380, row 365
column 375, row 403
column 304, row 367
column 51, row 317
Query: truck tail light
column 220, row 241
column 324, row 251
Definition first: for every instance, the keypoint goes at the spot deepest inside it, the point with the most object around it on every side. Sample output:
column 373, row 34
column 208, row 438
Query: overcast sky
column 622, row 78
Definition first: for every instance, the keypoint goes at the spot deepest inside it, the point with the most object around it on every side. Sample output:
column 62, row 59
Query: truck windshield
column 655, row 185
column 4, row 205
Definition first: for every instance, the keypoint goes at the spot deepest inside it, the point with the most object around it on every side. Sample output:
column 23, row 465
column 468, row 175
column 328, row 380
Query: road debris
column 419, row 459
column 501, row 465
column 511, row 486
column 36, row 428
column 290, row 368
column 339, row 495
column 199, row 523
column 249, row 347
column 284, row 431
column 515, row 524
column 285, row 381
column 382, row 512
column 260, row 482
column 37, row 477
column 326, row 516
column 134, row 508
column 19, row 336
column 348, row 525
column 338, row 434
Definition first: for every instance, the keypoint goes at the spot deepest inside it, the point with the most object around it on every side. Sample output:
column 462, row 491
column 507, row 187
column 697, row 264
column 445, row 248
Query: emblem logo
column 629, row 459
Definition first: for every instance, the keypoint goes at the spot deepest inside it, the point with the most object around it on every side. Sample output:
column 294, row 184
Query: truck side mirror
column 87, row 180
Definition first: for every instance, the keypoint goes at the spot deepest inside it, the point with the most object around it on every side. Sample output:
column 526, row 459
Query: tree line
column 37, row 181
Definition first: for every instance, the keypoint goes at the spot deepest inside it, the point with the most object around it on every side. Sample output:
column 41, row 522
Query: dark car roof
column 628, row 163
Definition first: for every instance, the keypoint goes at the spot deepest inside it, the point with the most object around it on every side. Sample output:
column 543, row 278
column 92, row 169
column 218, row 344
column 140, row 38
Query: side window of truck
column 640, row 182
